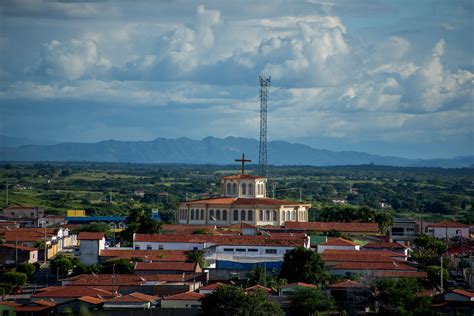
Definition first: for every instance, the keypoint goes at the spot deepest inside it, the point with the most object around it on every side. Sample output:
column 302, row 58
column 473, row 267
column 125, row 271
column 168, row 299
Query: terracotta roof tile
column 19, row 247
column 372, row 266
column 401, row 274
column 385, row 253
column 449, row 224
column 384, row 245
column 134, row 297
column 148, row 255
column 100, row 280
column 90, row 236
column 354, row 227
column 258, row 287
column 71, row 292
column 188, row 296
column 9, row 303
column 241, row 176
column 339, row 242
column 464, row 293
column 301, row 284
column 236, row 201
column 91, row 300
column 212, row 286
column 356, row 257
column 165, row 266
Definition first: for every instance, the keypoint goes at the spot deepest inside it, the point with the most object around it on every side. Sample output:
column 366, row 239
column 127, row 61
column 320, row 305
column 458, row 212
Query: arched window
column 293, row 215
column 242, row 215
column 218, row 215
column 234, row 188
column 258, row 188
column 224, row 215
column 250, row 215
column 202, row 215
column 192, row 214
column 261, row 215
column 244, row 189
column 274, row 215
column 186, row 213
column 268, row 216
column 211, row 215
column 229, row 188
column 236, row 215
column 250, row 188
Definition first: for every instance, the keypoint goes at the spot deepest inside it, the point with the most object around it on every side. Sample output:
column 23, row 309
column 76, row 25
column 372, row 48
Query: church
column 243, row 200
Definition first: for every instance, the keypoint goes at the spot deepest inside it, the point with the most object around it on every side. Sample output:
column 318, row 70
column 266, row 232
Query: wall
column 440, row 232
column 168, row 245
column 322, row 248
column 89, row 251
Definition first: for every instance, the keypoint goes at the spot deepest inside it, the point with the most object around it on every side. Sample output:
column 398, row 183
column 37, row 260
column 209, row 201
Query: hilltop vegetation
column 114, row 188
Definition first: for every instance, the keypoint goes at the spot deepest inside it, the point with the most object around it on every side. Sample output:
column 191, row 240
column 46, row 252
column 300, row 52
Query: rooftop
column 19, row 247
column 148, row 255
column 347, row 284
column 241, row 176
column 464, row 293
column 165, row 266
column 258, row 287
column 188, row 296
column 71, row 292
column 339, row 242
column 91, row 236
column 401, row 274
column 354, row 227
column 95, row 280
column 236, row 201
column 134, row 297
column 385, row 245
column 301, row 284
column 212, row 286
column 372, row 266
column 449, row 224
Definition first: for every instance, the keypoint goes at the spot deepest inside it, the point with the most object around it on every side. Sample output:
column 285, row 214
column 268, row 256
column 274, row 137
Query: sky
column 384, row 77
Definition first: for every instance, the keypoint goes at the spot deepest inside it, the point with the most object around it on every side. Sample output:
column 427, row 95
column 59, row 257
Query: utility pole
column 441, row 274
column 113, row 279
column 7, row 185
column 16, row 251
column 274, row 185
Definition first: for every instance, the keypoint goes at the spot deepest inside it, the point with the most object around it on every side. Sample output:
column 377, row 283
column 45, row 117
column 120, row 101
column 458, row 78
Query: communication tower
column 262, row 154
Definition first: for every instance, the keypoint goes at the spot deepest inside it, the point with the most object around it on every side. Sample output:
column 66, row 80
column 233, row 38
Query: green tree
column 303, row 265
column 305, row 301
column 256, row 276
column 384, row 220
column 434, row 275
column 26, row 268
column 428, row 251
column 399, row 297
column 95, row 227
column 333, row 233
column 119, row 266
column 231, row 300
column 141, row 222
column 61, row 265
column 15, row 278
column 196, row 256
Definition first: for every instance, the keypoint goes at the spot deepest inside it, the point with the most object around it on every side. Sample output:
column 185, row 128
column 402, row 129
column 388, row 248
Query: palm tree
column 196, row 256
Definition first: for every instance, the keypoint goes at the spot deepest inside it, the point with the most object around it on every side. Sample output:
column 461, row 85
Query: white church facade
column 244, row 200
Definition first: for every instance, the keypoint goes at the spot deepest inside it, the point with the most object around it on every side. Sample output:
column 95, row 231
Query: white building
column 338, row 244
column 448, row 229
column 91, row 243
column 244, row 199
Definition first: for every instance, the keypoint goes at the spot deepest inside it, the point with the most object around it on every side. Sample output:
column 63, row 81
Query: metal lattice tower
column 262, row 155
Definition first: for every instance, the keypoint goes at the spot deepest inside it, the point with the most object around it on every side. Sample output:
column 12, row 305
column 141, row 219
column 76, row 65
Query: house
column 207, row 289
column 61, row 294
column 403, row 230
column 27, row 215
column 145, row 255
column 338, row 244
column 51, row 220
column 166, row 267
column 348, row 269
column 348, row 254
column 258, row 287
column 455, row 302
column 134, row 300
column 7, row 308
column 353, row 229
column 78, row 305
column 389, row 246
column 285, row 290
column 91, row 243
column 334, row 257
column 9, row 253
column 39, row 307
column 448, row 229
column 183, row 300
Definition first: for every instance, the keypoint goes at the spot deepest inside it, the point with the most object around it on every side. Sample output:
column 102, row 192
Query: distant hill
column 7, row 141
column 210, row 150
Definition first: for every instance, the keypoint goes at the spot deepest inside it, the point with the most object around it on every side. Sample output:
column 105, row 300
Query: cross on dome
column 243, row 161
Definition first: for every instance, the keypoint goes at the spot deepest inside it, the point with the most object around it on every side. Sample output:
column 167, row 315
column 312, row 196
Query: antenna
column 262, row 155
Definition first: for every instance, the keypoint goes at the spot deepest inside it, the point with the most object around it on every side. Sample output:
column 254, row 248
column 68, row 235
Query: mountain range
column 209, row 150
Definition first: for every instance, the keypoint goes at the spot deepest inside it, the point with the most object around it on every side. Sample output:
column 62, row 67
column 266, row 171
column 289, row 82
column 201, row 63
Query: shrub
column 15, row 278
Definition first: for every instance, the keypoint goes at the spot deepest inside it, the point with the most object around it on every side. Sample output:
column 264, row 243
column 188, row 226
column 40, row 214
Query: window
column 268, row 216
column 211, row 215
column 195, row 248
column 252, row 250
column 287, row 250
column 218, row 215
column 148, row 247
column 229, row 249
column 224, row 215
column 236, row 215
column 244, row 188
column 293, row 215
column 261, row 215
column 270, row 251
column 229, row 188
column 242, row 215
column 192, row 214
column 458, row 232
column 258, row 189
column 250, row 188
column 160, row 247
column 249, row 215
column 274, row 215
column 240, row 250
column 137, row 247
column 202, row 215
column 234, row 188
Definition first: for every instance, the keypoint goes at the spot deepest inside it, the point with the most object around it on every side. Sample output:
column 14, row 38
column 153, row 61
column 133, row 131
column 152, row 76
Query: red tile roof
column 212, row 286
column 165, row 266
column 463, row 293
column 312, row 286
column 371, row 228
column 384, row 245
column 241, row 176
column 449, row 224
column 236, row 201
column 401, row 274
column 99, row 280
column 225, row 240
column 148, row 255
column 91, row 300
column 257, row 288
column 385, row 253
column 366, row 256
column 71, row 292
column 372, row 266
column 188, row 296
column 28, row 234
column 134, row 297
column 339, row 242
column 9, row 303
column 347, row 284
column 90, row 236
column 19, row 247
